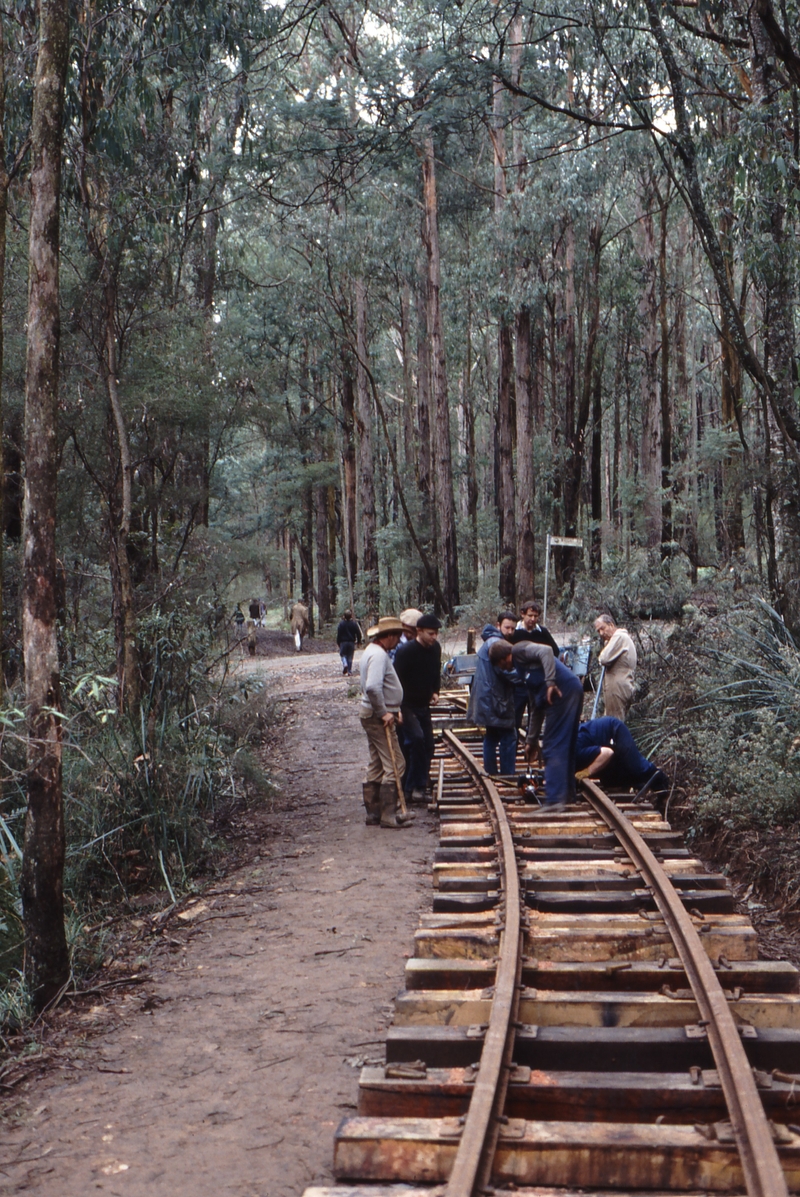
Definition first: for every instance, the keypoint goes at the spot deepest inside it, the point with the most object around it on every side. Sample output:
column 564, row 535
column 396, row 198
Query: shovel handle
column 401, row 798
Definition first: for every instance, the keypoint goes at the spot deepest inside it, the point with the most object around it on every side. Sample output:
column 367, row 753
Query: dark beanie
column 428, row 621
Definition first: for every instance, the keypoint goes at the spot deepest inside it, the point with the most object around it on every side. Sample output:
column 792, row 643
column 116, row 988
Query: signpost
column 564, row 542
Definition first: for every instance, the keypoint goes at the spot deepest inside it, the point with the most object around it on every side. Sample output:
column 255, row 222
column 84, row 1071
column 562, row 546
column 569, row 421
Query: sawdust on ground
column 227, row 1069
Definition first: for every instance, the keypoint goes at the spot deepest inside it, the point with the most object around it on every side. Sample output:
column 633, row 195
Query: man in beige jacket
column 618, row 658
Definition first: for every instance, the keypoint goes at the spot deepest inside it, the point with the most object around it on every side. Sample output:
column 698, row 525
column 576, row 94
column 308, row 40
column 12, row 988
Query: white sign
column 567, row 542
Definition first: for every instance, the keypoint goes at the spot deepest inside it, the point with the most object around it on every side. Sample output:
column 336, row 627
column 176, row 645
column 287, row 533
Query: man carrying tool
column 555, row 696
column 381, row 698
column 419, row 667
column 618, row 659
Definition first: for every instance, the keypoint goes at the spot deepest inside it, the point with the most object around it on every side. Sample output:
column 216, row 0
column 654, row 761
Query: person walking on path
column 418, row 664
column 381, row 698
column 618, row 659
column 555, row 696
column 491, row 704
column 299, row 623
column 348, row 635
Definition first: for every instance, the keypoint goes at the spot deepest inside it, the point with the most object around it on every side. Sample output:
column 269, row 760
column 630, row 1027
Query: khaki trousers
column 617, row 696
column 380, row 766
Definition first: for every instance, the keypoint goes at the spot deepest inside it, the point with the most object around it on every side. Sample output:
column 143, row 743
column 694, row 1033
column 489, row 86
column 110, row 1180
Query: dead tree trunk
column 446, row 510
column 41, row 882
column 349, row 471
column 366, row 471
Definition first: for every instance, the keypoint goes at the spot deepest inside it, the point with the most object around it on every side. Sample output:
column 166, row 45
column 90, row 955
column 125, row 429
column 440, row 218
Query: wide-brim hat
column 386, row 624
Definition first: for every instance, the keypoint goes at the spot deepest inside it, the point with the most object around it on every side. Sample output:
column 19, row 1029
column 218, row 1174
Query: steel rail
column 763, row 1174
column 473, row 1163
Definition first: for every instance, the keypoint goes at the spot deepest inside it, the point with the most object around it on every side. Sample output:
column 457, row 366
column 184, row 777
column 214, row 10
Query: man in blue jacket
column 491, row 702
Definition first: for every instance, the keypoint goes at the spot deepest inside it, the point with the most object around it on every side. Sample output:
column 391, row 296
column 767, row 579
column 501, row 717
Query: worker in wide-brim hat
column 381, row 699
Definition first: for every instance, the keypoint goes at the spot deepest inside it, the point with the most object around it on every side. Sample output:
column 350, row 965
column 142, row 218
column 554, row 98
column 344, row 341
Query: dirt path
column 229, row 1070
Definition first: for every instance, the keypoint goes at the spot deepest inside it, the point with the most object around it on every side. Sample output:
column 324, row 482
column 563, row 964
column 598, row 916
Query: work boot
column 372, row 802
column 389, row 806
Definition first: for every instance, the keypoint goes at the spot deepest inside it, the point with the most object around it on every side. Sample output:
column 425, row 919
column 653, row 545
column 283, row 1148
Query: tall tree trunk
column 526, row 479
column 349, row 513
column 506, row 491
column 130, row 683
column 446, row 508
column 366, row 464
column 666, row 406
column 506, row 488
column 5, row 182
column 650, row 456
column 424, row 398
column 596, row 552
column 41, row 882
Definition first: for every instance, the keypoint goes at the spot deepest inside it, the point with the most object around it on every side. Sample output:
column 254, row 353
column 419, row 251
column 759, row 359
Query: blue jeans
column 559, row 741
column 504, row 738
column 418, row 747
column 346, row 650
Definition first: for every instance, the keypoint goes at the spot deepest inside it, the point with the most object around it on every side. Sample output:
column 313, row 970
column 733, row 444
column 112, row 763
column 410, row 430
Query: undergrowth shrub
column 720, row 699
column 146, row 799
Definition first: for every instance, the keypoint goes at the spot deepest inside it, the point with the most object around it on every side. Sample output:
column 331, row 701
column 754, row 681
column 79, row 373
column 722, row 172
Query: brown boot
column 389, row 806
column 372, row 802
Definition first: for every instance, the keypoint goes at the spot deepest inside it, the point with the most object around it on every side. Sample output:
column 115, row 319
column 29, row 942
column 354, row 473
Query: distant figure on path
column 348, row 635
column 299, row 623
column 255, row 610
column 618, row 658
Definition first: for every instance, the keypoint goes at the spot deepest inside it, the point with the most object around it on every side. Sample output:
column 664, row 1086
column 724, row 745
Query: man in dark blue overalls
column 556, row 697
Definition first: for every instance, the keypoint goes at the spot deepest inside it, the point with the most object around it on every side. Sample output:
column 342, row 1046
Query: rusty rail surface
column 764, row 1176
column 473, row 1163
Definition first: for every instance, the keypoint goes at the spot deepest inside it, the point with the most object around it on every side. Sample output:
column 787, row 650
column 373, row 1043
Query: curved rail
column 473, row 1162
column 762, row 1170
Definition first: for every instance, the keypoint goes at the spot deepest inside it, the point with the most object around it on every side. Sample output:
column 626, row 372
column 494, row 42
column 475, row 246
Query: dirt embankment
column 227, row 1068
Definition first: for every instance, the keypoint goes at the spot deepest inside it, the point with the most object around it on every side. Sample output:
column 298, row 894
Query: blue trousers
column 559, row 741
column 504, row 739
column 628, row 767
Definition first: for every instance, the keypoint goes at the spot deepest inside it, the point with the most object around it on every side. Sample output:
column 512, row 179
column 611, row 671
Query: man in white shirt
column 381, row 698
column 618, row 658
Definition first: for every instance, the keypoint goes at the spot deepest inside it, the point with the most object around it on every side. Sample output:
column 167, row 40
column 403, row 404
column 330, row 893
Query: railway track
column 584, row 1012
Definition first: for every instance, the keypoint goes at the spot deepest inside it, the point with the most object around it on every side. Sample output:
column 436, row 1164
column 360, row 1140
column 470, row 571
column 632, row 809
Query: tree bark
column 666, row 406
column 366, row 464
column 130, row 682
column 650, row 456
column 446, row 511
column 349, row 470
column 506, row 491
column 41, row 882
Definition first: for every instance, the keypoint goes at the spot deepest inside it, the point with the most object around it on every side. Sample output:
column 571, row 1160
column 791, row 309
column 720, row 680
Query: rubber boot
column 389, row 806
column 372, row 802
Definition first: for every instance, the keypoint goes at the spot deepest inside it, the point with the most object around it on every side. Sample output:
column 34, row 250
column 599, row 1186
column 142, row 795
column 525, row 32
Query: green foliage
column 643, row 588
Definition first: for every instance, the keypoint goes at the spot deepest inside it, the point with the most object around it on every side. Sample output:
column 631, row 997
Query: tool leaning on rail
column 585, row 1013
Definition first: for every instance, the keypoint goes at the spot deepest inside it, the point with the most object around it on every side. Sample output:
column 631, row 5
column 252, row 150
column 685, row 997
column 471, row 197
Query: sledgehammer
column 401, row 798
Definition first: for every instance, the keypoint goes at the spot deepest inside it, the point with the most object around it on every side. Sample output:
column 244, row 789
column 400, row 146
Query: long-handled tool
column 401, row 798
column 599, row 691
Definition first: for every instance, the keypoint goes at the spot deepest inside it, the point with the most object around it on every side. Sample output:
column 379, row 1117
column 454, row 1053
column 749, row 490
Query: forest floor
column 225, row 1065
column 228, row 1065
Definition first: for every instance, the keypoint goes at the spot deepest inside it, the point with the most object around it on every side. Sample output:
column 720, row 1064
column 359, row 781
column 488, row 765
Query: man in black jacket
column 531, row 632
column 419, row 666
column 348, row 635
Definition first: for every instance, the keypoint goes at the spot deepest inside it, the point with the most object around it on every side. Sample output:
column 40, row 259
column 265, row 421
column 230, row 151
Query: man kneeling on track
column 607, row 749
column 381, row 696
